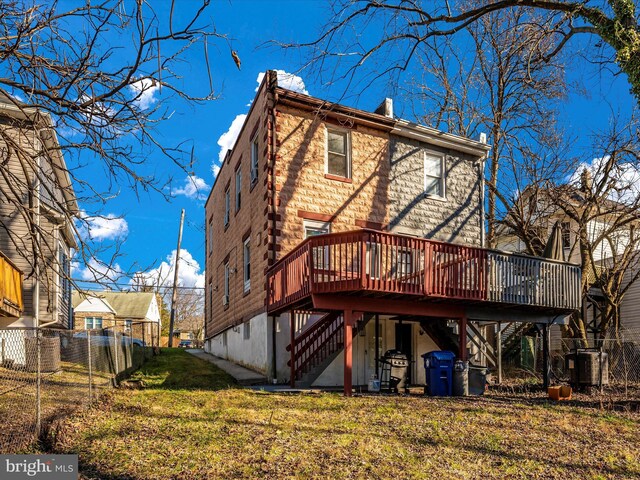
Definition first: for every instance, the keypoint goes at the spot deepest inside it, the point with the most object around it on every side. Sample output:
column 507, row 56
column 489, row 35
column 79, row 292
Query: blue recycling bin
column 438, row 367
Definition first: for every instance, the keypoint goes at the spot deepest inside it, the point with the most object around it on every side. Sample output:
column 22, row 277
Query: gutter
column 432, row 136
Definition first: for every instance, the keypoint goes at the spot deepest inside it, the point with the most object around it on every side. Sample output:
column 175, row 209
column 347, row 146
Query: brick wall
column 304, row 191
column 250, row 220
column 456, row 218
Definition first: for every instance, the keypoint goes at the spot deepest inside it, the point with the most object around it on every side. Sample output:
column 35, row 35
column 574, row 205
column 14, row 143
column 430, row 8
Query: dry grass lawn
column 191, row 422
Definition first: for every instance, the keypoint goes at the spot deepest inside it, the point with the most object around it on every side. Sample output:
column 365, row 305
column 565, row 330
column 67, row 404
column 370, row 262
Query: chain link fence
column 622, row 354
column 46, row 374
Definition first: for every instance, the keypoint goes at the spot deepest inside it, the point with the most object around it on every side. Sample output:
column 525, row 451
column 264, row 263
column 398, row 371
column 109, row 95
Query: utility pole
column 174, row 296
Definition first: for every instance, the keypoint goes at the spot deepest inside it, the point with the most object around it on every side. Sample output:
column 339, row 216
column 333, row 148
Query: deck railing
column 367, row 260
column 11, row 303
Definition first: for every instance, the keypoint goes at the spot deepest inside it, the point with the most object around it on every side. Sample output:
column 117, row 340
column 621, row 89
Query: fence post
column 115, row 358
column 38, row 386
column 90, row 371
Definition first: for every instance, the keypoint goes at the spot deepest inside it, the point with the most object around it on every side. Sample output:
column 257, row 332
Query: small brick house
column 334, row 234
column 133, row 313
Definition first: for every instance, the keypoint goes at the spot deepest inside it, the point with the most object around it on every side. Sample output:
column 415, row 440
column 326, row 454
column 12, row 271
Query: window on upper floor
column 338, row 153
column 246, row 248
column 227, row 273
column 238, row 189
column 210, row 236
column 254, row 159
column 227, row 205
column 434, row 184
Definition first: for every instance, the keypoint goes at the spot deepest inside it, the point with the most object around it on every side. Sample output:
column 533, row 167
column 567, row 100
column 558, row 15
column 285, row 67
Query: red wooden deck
column 379, row 264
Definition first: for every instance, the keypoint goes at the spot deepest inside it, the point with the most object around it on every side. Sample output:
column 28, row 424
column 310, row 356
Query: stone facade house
column 336, row 234
column 132, row 313
column 37, row 207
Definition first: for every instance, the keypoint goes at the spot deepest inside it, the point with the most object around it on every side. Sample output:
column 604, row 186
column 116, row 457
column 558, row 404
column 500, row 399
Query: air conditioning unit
column 583, row 366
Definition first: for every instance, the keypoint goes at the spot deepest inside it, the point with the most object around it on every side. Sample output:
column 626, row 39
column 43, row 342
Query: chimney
column 586, row 182
column 385, row 108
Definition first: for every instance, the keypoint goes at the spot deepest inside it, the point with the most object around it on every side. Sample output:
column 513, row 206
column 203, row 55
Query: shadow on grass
column 175, row 369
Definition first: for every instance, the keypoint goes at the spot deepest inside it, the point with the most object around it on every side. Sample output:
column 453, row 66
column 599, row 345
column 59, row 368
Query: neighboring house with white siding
column 37, row 207
column 606, row 243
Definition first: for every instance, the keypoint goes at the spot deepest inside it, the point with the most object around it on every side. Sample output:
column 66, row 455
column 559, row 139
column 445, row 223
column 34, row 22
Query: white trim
column 227, row 205
column 443, row 174
column 433, row 136
column 347, row 147
column 246, row 245
column 254, row 141
column 238, row 182
column 227, row 284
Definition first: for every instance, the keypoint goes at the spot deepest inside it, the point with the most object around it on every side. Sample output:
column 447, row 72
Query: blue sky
column 149, row 225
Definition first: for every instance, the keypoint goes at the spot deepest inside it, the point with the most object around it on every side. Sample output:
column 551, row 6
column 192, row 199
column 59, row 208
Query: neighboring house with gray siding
column 37, row 207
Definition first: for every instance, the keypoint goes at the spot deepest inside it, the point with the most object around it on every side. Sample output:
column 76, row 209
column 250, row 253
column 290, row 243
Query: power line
column 121, row 284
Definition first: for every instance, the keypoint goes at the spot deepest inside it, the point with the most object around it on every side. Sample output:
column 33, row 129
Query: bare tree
column 404, row 25
column 598, row 203
column 499, row 86
column 92, row 83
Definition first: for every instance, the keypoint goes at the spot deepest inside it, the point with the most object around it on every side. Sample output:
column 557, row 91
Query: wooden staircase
column 317, row 346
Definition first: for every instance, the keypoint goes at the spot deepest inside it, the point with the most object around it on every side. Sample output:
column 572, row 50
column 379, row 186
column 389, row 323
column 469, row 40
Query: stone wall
column 456, row 218
column 306, row 192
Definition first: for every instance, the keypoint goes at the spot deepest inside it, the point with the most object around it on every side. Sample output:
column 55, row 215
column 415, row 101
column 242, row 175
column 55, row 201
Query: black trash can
column 477, row 380
column 397, row 364
column 460, row 379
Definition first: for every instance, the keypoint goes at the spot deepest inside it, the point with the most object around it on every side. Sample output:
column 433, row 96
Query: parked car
column 185, row 344
column 108, row 340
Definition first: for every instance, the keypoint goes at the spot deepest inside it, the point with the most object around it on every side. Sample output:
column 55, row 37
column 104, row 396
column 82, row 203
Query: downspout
column 482, row 199
column 271, row 86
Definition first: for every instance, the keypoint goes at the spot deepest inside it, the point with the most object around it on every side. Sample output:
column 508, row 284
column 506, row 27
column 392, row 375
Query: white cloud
column 194, row 187
column 189, row 274
column 215, row 169
column 286, row 80
column 102, row 227
column 144, row 91
column 97, row 271
column 228, row 139
column 626, row 177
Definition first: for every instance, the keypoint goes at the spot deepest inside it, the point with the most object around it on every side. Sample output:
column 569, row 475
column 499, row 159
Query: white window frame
column 246, row 330
column 227, row 281
column 433, row 155
column 93, row 323
column 128, row 324
column 210, row 236
column 255, row 153
column 374, row 260
column 238, row 189
column 227, row 205
column 246, row 263
column 322, row 263
column 347, row 154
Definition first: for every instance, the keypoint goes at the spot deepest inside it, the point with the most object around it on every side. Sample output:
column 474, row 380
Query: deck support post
column 348, row 352
column 292, row 321
column 462, row 340
column 545, row 356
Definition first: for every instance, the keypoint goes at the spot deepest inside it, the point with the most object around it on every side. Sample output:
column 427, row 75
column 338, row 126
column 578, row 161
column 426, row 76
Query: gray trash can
column 460, row 379
column 477, row 380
